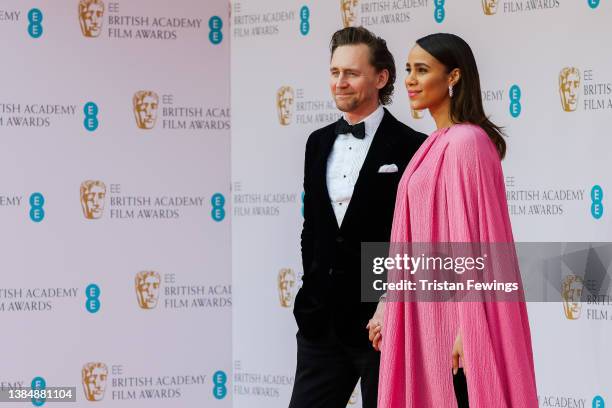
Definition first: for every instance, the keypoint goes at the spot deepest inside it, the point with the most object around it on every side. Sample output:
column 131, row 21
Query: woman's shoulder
column 470, row 143
column 467, row 135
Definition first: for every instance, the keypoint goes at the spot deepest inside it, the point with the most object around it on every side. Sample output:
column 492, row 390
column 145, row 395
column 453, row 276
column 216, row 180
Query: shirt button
column 339, row 203
column 345, row 176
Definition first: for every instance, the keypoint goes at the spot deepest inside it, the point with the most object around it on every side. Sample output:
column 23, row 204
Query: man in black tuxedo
column 351, row 172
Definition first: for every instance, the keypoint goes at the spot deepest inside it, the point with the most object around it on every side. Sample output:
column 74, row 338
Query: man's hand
column 375, row 326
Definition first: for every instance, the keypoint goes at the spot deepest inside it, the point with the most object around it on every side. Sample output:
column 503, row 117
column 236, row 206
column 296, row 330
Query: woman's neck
column 441, row 115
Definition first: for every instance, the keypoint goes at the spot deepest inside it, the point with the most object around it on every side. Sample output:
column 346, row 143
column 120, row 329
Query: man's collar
column 372, row 121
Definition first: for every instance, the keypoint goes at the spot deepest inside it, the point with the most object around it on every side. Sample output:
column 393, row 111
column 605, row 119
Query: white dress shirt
column 345, row 161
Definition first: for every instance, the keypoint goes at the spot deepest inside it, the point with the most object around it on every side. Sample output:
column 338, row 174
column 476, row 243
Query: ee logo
column 304, row 20
column 38, row 383
column 92, row 304
column 598, row 402
column 37, row 212
column 215, row 24
column 439, row 12
column 597, row 208
column 91, row 116
column 218, row 212
column 515, row 101
column 219, row 380
column 593, row 3
column 35, row 18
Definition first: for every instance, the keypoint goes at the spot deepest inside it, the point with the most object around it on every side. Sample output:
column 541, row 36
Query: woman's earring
column 450, row 91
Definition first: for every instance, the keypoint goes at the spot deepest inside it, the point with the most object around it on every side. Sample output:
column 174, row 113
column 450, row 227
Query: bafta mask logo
column 284, row 104
column 145, row 109
column 489, row 7
column 91, row 15
column 571, row 292
column 569, row 82
column 93, row 193
column 348, row 8
column 416, row 114
column 286, row 286
column 94, row 380
column 147, row 289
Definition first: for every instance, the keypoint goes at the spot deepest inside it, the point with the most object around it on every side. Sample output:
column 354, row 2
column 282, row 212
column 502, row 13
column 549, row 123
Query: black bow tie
column 358, row 130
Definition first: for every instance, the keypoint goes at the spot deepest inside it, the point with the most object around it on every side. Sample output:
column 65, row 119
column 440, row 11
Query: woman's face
column 426, row 80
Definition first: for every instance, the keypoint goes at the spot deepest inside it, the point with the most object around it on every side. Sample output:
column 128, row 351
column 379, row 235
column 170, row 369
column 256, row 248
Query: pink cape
column 453, row 191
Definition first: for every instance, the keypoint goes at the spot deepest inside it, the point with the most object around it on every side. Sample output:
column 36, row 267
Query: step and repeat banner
column 546, row 77
column 114, row 196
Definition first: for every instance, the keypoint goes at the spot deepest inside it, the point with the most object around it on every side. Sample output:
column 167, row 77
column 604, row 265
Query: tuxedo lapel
column 380, row 148
column 327, row 144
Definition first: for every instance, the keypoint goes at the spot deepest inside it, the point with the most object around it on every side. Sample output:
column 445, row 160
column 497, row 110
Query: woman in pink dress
column 453, row 191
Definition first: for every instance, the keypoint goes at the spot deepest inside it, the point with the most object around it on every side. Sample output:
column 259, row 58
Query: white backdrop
column 556, row 159
column 162, row 202
column 154, row 209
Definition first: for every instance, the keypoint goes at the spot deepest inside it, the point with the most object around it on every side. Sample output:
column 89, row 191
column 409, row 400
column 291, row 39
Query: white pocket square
column 388, row 168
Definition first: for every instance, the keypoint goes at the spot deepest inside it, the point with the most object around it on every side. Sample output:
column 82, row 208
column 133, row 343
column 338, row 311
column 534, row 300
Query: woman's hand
column 375, row 326
column 458, row 354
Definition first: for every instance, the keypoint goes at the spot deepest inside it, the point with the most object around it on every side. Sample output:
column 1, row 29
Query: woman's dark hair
column 466, row 103
column 380, row 56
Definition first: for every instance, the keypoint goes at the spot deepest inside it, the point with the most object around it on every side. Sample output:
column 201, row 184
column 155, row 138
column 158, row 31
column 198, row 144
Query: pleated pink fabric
column 453, row 191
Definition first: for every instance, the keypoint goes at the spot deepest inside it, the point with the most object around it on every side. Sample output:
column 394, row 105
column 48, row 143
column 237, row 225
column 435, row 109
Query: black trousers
column 327, row 373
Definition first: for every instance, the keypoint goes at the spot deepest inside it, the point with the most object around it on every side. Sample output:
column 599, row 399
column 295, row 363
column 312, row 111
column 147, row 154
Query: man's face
column 348, row 12
column 93, row 201
column 354, row 82
column 92, row 19
column 95, row 382
column 147, row 289
column 569, row 89
column 489, row 6
column 147, row 111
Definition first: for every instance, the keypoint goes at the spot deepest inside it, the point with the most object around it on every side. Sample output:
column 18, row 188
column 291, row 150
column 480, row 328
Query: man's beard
column 347, row 105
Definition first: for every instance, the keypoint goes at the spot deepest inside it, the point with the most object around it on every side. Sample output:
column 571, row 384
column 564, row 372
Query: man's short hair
column 380, row 56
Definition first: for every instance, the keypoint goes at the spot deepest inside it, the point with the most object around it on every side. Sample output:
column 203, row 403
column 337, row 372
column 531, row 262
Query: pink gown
column 453, row 191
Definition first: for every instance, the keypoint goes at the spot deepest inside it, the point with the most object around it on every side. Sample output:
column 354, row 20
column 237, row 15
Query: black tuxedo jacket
column 331, row 294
